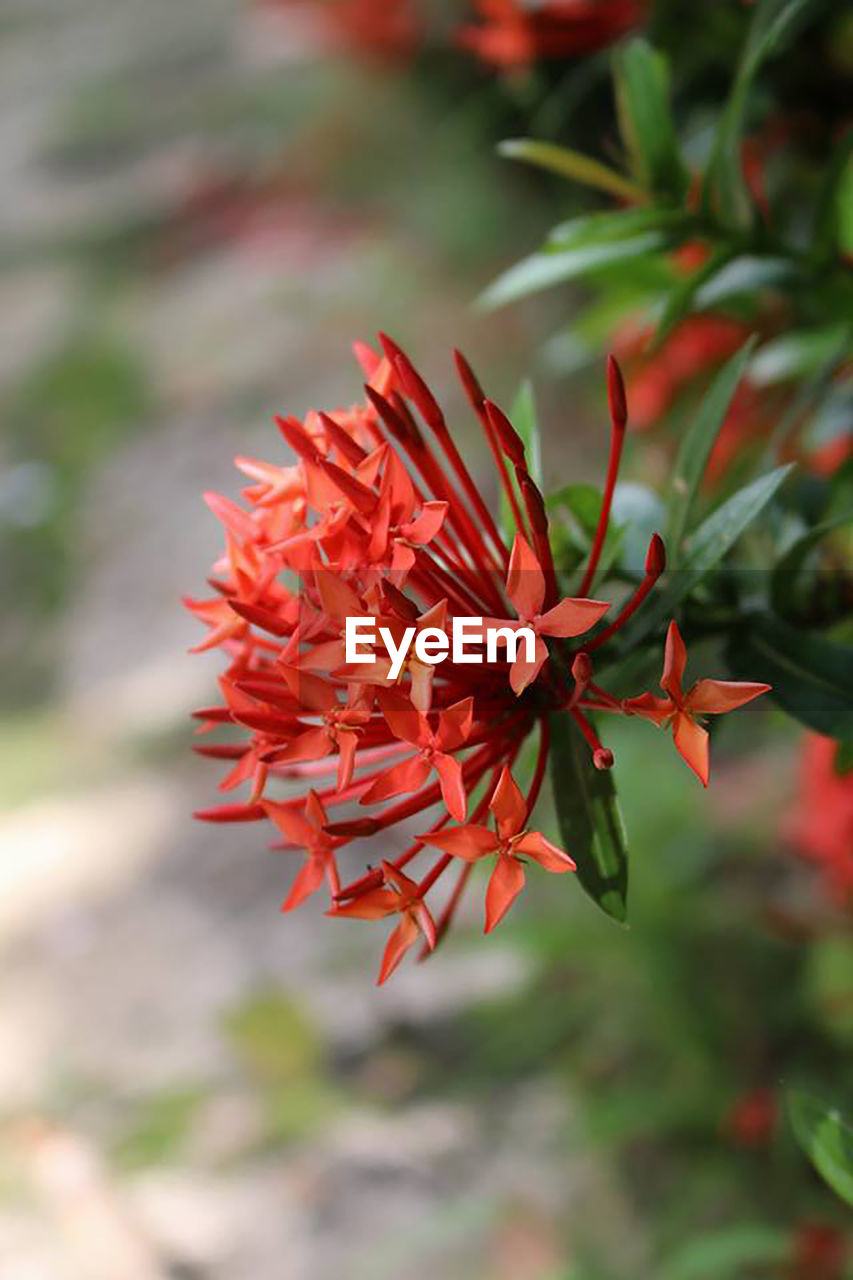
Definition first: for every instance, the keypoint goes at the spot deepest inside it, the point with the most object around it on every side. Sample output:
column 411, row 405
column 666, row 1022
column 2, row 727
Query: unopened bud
column 602, row 758
column 469, row 381
column 582, row 669
column 656, row 556
column 616, row 394
column 510, row 440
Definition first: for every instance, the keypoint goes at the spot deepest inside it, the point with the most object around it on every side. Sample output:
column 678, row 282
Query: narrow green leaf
column 725, row 187
column 645, row 119
column 621, row 224
column 706, row 547
column 525, row 419
column 542, row 270
column 696, row 447
column 784, row 578
column 810, row 678
column 590, row 822
column 827, row 1140
column 574, row 165
column 844, row 758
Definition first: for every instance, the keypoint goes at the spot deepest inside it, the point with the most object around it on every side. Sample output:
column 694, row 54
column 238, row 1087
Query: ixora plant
column 379, row 518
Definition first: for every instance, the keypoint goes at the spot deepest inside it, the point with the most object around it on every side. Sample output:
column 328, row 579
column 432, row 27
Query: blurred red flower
column 820, row 1252
column 820, row 824
column 512, row 33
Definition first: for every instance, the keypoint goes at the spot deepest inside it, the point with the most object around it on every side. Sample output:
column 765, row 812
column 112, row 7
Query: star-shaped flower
column 511, row 842
column 680, row 711
column 525, row 586
column 433, row 752
column 305, row 830
column 400, row 894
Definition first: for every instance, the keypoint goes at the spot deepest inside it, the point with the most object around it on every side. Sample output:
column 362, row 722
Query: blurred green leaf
column 706, row 547
column 725, row 188
column 844, row 757
column 598, row 228
column 573, row 165
column 542, row 270
column 797, row 355
column 826, row 1139
column 723, row 1254
column 744, row 275
column 784, row 578
column 525, row 419
column 696, row 447
column 811, row 678
column 645, row 119
column 590, row 822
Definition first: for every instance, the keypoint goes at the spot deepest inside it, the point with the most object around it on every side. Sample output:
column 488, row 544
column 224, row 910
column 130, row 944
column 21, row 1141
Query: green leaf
column 542, row 270
column 724, row 1254
column 645, row 119
column 799, row 354
column 583, row 501
column 844, row 758
column 827, row 1140
column 590, row 822
column 706, row 547
column 744, row 275
column 785, row 574
column 696, row 447
column 524, row 418
column 725, row 188
column 833, row 201
column 621, row 224
column 811, row 678
column 573, row 165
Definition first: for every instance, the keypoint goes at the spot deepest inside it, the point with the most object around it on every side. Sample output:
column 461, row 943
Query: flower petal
column 449, row 771
column 454, row 724
column 508, row 805
column 525, row 581
column 396, row 947
column 691, row 741
column 523, row 672
column 401, row 717
column 716, row 697
column 291, row 823
column 534, row 845
column 376, row 904
column 408, row 775
column 571, row 617
column 649, row 707
column 311, row 875
column 505, row 884
column 470, row 842
column 311, row 692
column 674, row 662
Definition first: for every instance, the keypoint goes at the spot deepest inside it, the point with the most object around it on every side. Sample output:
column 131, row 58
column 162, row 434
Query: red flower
column 374, row 521
column 820, row 1252
column 820, row 825
column 387, row 30
column 512, row 33
column 510, row 842
column 404, row 897
column 752, row 1120
column 680, row 711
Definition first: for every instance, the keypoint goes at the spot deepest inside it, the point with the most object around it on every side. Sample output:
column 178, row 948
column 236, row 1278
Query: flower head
column 682, row 712
column 377, row 517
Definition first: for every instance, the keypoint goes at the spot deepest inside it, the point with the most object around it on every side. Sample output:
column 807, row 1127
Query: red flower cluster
column 512, row 33
column 820, row 825
column 373, row 521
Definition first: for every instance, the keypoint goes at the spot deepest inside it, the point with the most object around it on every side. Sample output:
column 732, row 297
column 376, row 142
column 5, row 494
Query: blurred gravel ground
column 192, row 1087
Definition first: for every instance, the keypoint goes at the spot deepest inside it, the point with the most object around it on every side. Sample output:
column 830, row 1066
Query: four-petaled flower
column 399, row 894
column 434, row 747
column 525, row 586
column 511, row 842
column 306, row 831
column 680, row 711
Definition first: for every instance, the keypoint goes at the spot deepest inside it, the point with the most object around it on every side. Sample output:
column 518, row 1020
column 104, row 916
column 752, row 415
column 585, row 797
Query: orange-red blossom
column 379, row 517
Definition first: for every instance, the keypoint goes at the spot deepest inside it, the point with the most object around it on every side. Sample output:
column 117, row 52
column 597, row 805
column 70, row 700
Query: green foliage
column 591, row 824
column 827, row 1140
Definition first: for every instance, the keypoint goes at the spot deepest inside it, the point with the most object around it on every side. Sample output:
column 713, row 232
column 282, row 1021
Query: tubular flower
column 681, row 711
column 512, row 33
column 379, row 519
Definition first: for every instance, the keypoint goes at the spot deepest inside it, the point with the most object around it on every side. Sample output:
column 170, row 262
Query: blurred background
column 203, row 205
